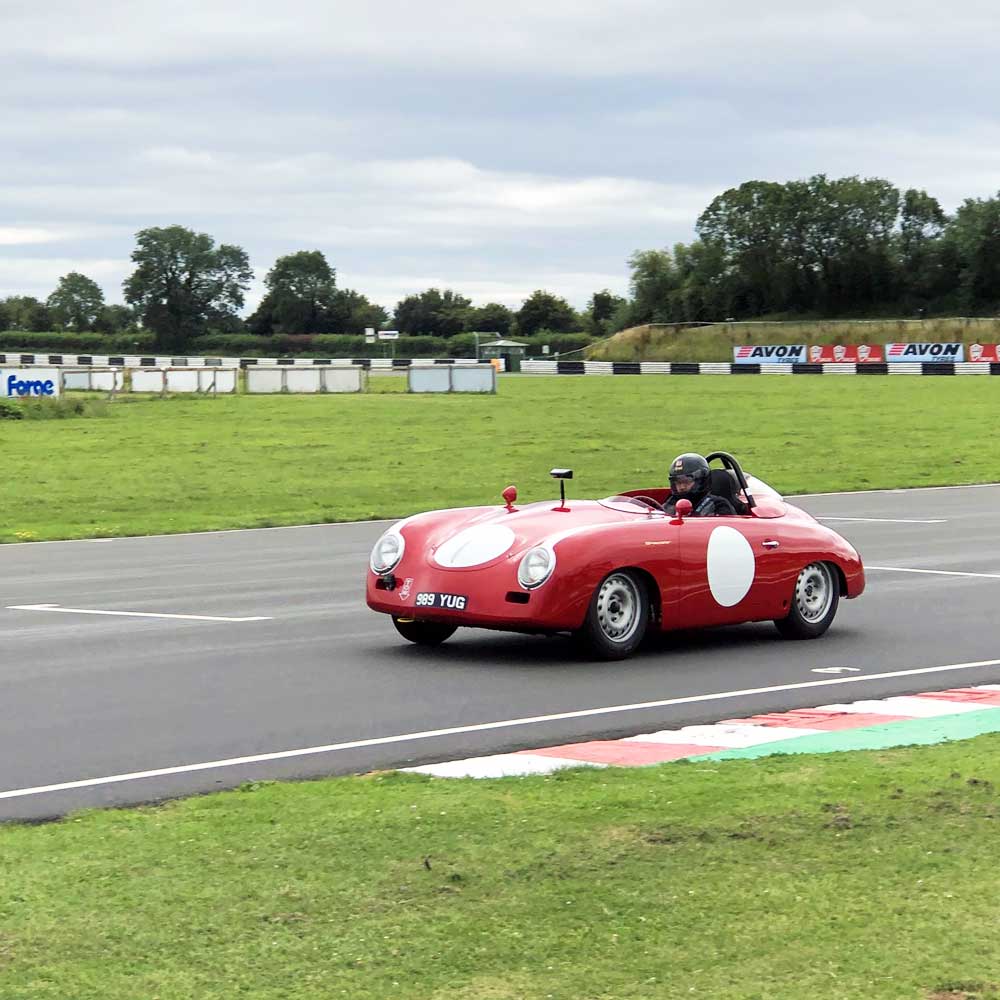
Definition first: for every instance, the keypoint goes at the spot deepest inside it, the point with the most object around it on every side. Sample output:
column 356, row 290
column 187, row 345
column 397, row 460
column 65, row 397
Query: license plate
column 449, row 602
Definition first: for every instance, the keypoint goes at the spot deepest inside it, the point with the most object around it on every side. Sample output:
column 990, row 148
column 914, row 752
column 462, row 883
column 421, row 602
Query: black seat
column 723, row 484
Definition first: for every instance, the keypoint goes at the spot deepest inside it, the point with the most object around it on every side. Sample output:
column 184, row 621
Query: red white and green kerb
column 930, row 717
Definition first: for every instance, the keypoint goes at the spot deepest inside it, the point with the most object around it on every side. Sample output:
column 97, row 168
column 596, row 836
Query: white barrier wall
column 318, row 379
column 93, row 379
column 147, row 380
column 476, row 378
column 429, row 379
column 184, row 380
column 265, row 379
column 452, row 378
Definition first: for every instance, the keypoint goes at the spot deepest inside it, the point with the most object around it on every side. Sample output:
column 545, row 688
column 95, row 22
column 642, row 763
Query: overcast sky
column 491, row 148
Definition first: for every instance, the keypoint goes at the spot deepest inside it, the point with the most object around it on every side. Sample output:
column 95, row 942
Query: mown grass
column 716, row 342
column 844, row 876
column 180, row 464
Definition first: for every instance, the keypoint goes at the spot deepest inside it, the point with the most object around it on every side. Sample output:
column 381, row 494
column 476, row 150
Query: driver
column 690, row 480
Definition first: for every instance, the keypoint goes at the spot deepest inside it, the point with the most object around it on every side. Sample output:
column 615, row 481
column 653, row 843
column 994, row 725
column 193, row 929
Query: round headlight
column 536, row 567
column 387, row 552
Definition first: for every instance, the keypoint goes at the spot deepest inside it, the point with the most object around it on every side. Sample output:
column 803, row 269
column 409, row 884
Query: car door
column 731, row 570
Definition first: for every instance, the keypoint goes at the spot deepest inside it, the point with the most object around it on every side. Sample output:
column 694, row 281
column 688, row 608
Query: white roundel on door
column 730, row 566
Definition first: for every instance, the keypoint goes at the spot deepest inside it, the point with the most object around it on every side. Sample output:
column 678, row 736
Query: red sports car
column 610, row 570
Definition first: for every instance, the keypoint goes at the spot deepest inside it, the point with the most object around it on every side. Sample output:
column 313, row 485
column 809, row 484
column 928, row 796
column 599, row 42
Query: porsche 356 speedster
column 612, row 570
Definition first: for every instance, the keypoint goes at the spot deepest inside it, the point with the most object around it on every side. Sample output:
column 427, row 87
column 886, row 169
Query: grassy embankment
column 666, row 342
column 181, row 464
column 839, row 877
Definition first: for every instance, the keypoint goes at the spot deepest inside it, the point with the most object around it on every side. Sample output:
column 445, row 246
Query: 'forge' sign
column 16, row 383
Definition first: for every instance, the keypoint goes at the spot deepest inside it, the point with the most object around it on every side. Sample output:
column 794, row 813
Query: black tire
column 423, row 633
column 617, row 617
column 814, row 603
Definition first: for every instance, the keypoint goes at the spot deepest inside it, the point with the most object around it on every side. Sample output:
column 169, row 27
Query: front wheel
column 617, row 618
column 423, row 633
column 814, row 603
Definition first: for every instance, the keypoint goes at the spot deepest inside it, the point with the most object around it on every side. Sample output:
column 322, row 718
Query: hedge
column 246, row 345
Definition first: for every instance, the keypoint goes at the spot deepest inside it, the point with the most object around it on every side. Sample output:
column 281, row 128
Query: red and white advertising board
column 985, row 353
column 846, row 354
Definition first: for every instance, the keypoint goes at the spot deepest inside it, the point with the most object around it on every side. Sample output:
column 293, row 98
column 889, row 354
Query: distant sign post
column 369, row 335
column 392, row 336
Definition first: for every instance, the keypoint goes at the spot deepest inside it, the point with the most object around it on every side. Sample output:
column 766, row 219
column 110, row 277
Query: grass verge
column 182, row 464
column 663, row 342
column 841, row 876
column 56, row 408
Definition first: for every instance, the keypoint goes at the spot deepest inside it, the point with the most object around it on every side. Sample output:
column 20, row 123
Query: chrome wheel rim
column 618, row 608
column 814, row 592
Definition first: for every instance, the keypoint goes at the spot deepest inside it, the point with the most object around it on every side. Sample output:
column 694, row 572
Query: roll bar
column 733, row 466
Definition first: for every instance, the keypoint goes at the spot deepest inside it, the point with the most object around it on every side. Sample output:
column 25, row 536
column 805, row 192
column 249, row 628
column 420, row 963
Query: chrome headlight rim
column 532, row 583
column 386, row 565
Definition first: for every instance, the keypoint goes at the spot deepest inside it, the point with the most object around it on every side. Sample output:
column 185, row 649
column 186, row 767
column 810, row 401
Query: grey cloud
column 491, row 149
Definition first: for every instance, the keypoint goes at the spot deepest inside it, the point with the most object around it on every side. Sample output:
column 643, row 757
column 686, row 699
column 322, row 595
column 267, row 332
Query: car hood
column 480, row 536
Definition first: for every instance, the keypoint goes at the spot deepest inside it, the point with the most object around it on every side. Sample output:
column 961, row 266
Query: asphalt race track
column 85, row 697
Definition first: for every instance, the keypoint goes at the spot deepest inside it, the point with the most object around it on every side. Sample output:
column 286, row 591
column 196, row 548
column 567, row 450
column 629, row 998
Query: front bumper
column 492, row 600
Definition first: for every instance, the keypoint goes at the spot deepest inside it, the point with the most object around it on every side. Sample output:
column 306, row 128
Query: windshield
column 628, row 505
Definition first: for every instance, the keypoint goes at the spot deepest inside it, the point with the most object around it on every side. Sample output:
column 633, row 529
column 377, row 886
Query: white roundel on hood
column 474, row 546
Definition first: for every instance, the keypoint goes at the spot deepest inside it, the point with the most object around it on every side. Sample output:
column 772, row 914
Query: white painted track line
column 482, row 727
column 131, row 614
column 932, row 572
column 884, row 520
column 900, row 489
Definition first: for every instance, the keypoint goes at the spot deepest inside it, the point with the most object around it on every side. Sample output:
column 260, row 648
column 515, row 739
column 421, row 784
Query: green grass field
column 844, row 876
column 841, row 877
column 153, row 465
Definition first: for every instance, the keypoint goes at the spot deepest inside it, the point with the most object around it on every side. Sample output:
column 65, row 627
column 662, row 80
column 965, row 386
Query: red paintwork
column 594, row 538
column 509, row 496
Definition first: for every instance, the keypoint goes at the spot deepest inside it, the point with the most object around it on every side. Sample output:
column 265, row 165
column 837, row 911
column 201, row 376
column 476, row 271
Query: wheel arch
column 841, row 576
column 652, row 591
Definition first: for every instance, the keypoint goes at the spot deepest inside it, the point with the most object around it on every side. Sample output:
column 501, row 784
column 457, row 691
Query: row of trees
column 76, row 304
column 834, row 247
column 184, row 286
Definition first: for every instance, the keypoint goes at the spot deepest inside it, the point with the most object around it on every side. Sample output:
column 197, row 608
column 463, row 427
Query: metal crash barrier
column 162, row 380
column 309, row 380
column 93, row 379
column 452, row 378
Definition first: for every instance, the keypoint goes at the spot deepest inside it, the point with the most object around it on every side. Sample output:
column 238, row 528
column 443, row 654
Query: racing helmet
column 689, row 477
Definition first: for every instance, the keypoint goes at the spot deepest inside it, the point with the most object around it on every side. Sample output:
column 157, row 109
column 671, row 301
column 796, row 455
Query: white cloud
column 12, row 236
column 490, row 148
column 416, row 200
column 582, row 37
column 957, row 161
column 38, row 276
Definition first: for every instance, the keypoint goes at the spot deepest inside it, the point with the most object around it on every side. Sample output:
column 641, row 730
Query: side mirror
column 682, row 510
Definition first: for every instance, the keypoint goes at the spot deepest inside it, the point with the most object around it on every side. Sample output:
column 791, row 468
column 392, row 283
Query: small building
column 512, row 352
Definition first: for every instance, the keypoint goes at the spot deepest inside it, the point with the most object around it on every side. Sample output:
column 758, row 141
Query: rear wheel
column 814, row 603
column 617, row 618
column 423, row 633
